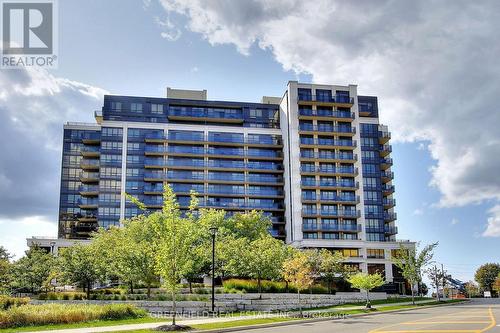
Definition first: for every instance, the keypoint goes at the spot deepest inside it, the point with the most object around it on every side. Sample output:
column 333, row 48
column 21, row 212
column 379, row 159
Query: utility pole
column 436, row 282
column 443, row 276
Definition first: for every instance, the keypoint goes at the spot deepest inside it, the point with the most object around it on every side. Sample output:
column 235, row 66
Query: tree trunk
column 149, row 290
column 88, row 290
column 259, row 288
column 131, row 287
column 412, row 296
column 174, row 307
column 368, row 305
column 286, row 287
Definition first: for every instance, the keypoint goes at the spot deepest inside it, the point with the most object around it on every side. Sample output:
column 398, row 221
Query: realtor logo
column 29, row 34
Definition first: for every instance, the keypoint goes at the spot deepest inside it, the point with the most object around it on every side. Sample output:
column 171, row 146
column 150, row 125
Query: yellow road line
column 429, row 331
column 493, row 323
column 444, row 322
column 489, row 314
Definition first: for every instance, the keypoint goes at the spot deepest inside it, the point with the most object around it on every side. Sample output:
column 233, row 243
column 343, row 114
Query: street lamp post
column 213, row 231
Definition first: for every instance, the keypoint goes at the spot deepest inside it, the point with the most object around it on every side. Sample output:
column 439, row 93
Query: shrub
column 30, row 315
column 7, row 302
column 250, row 286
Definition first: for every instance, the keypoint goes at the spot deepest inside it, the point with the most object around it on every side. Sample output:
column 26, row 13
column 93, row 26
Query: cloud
column 21, row 228
column 418, row 212
column 493, row 227
column 170, row 32
column 33, row 108
column 454, row 221
column 433, row 65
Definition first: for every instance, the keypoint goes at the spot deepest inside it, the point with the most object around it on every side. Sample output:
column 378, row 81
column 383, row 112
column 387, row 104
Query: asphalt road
column 477, row 316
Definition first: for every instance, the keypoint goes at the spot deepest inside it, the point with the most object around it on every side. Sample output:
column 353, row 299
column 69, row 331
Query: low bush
column 251, row 286
column 7, row 302
column 63, row 295
column 44, row 314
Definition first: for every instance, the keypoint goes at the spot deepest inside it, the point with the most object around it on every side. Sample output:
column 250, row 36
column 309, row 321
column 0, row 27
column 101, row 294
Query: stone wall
column 242, row 302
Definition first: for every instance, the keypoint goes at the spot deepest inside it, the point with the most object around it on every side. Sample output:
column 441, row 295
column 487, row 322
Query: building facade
column 316, row 162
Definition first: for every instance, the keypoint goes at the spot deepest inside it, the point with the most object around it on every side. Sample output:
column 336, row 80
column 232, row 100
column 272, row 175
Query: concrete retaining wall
column 242, row 302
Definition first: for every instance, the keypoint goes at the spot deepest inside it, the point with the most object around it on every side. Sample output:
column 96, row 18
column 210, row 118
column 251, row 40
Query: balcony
column 332, row 143
column 157, row 137
column 385, row 163
column 89, row 190
column 91, row 138
column 344, row 130
column 342, row 170
column 326, row 114
column 383, row 134
column 343, row 157
column 387, row 176
column 390, row 217
column 90, row 151
column 205, row 114
column 387, row 189
column 340, row 199
column 389, row 203
column 89, row 177
column 385, row 150
column 87, row 164
column 329, row 213
column 330, row 184
column 388, row 230
column 86, row 203
column 153, row 189
column 335, row 100
column 87, row 218
column 331, row 227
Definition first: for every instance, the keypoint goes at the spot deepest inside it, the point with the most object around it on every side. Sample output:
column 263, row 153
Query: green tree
column 5, row 271
column 298, row 271
column 33, row 269
column 333, row 268
column 486, row 275
column 496, row 285
column 175, row 238
column 129, row 252
column 412, row 263
column 262, row 259
column 82, row 264
column 471, row 288
column 366, row 282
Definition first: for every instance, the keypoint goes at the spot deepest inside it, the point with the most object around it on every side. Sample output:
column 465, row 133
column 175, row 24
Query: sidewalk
column 205, row 320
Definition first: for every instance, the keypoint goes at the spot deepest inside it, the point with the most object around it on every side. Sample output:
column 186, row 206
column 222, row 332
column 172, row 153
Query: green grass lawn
column 84, row 324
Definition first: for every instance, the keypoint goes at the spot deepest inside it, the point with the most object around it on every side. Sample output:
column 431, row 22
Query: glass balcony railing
column 90, row 149
column 226, row 151
column 91, row 136
column 186, row 163
column 227, row 177
column 229, row 138
column 327, row 98
column 226, row 164
column 264, row 165
column 89, row 163
column 327, row 142
column 387, row 188
column 89, row 188
column 186, row 150
column 390, row 230
column 324, row 169
column 387, row 174
column 263, row 179
column 340, row 198
column 186, row 136
column 153, row 188
column 390, row 216
column 205, row 113
column 327, row 113
column 88, row 202
column 330, row 183
column 309, row 197
column 327, row 129
column 89, row 175
column 389, row 202
column 325, row 155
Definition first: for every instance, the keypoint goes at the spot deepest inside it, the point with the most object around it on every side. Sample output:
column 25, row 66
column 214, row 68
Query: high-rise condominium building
column 316, row 161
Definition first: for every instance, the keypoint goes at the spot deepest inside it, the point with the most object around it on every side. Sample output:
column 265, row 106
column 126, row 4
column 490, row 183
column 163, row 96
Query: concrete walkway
column 204, row 320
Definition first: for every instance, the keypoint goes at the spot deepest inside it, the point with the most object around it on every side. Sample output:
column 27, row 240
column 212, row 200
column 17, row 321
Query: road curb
column 314, row 320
